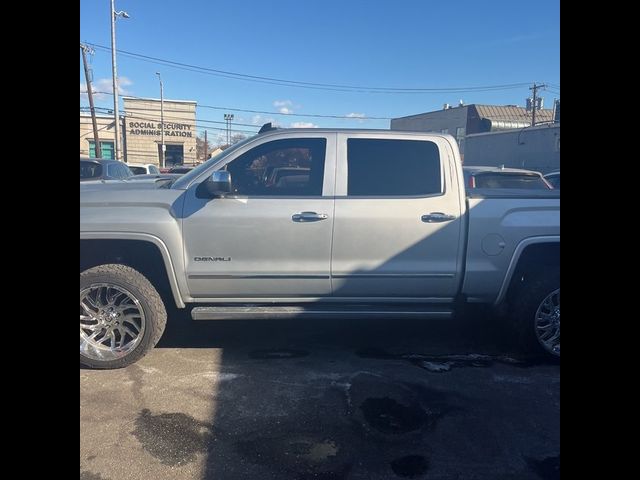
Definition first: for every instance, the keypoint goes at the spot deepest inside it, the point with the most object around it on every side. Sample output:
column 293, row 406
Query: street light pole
column 114, row 72
column 162, row 148
column 228, row 117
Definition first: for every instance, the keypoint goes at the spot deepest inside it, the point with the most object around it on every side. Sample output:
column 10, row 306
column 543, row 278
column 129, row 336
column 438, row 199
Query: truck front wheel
column 122, row 316
column 536, row 311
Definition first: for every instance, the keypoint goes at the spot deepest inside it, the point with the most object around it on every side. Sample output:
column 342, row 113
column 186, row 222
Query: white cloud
column 303, row 125
column 103, row 87
column 261, row 120
column 285, row 106
column 357, row 116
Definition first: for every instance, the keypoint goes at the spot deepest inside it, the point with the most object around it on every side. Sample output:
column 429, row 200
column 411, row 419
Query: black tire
column 539, row 285
column 144, row 292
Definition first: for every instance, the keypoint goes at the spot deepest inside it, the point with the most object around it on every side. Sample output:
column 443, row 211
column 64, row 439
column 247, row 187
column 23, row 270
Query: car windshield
column 186, row 179
column 90, row 170
column 510, row 180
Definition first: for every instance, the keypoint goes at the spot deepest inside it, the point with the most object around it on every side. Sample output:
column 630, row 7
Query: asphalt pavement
column 327, row 400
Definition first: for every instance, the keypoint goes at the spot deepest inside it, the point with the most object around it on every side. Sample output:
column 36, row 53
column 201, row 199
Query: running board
column 244, row 312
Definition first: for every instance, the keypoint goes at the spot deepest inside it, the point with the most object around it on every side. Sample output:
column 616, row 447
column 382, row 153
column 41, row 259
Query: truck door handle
column 436, row 217
column 309, row 217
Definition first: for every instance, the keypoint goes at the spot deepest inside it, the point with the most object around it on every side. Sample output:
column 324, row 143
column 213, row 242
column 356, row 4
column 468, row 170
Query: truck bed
column 501, row 223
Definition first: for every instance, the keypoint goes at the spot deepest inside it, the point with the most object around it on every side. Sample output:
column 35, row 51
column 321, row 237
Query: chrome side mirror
column 219, row 183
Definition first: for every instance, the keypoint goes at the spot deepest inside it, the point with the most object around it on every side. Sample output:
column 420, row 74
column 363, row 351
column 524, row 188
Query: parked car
column 143, row 168
column 180, row 169
column 383, row 228
column 553, row 178
column 500, row 177
column 101, row 169
column 154, row 177
column 280, row 175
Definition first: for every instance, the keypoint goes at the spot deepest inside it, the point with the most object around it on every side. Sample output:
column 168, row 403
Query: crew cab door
column 272, row 236
column 398, row 228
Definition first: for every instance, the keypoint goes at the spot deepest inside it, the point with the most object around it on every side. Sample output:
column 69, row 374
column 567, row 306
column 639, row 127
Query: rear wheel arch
column 533, row 258
column 533, row 298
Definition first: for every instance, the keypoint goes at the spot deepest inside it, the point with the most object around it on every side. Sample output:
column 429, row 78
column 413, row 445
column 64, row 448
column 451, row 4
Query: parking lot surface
column 329, row 400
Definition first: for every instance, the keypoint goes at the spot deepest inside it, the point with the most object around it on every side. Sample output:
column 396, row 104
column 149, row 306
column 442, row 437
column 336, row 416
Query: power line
column 150, row 116
column 91, row 131
column 317, row 86
column 197, row 124
column 311, row 115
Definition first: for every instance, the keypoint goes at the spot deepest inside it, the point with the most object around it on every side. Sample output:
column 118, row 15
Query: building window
column 106, row 147
column 174, row 155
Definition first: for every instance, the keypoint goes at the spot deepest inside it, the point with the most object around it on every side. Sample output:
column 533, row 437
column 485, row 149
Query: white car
column 143, row 168
column 553, row 178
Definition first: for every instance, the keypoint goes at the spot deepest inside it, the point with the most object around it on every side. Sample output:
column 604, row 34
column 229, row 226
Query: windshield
column 138, row 170
column 186, row 179
column 510, row 180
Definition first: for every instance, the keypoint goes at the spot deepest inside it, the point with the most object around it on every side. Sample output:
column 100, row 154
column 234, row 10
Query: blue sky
column 404, row 44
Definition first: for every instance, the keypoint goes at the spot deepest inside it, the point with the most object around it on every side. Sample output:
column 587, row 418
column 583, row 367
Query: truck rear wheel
column 122, row 316
column 536, row 312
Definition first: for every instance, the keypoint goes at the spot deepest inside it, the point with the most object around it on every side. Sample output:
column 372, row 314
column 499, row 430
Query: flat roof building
column 463, row 120
column 142, row 132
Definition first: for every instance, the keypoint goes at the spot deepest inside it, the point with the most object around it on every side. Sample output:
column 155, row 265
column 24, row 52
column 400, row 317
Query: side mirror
column 219, row 183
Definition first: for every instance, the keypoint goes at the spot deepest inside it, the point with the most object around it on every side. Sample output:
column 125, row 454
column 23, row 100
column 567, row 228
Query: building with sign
column 142, row 132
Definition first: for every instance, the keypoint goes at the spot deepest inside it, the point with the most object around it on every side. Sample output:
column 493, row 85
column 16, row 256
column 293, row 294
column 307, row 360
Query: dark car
column 500, row 177
column 553, row 178
column 100, row 169
column 179, row 169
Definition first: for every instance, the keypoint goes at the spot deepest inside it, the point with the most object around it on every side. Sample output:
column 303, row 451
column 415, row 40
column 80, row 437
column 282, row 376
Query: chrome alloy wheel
column 547, row 323
column 112, row 321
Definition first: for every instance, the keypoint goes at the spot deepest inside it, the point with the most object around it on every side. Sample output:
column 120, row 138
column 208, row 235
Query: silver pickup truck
column 313, row 223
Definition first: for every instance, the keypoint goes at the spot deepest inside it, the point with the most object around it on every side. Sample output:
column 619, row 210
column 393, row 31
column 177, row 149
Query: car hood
column 109, row 185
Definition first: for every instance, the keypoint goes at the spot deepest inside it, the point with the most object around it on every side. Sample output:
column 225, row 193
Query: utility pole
column 114, row 72
column 163, row 148
column 535, row 102
column 96, row 140
column 228, row 117
column 206, row 147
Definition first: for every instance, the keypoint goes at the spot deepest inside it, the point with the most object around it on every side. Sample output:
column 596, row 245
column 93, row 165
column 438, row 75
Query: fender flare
column 145, row 237
column 515, row 258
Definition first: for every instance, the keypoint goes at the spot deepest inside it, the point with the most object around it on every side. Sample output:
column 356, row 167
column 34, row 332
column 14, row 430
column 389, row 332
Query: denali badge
column 211, row 259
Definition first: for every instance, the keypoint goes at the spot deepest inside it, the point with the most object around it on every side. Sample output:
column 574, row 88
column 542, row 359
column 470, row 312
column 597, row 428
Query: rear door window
column 383, row 168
